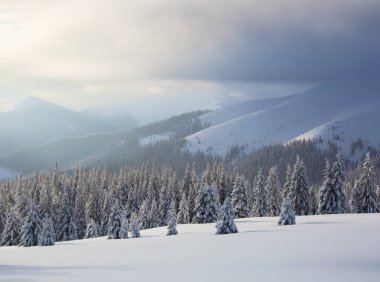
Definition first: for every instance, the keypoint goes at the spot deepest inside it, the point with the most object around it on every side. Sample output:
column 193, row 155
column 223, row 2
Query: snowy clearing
column 153, row 139
column 318, row 248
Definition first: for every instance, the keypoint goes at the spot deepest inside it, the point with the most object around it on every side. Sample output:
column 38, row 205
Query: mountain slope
column 32, row 121
column 98, row 149
column 292, row 118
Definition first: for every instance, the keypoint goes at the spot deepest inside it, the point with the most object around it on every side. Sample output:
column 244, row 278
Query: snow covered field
column 319, row 248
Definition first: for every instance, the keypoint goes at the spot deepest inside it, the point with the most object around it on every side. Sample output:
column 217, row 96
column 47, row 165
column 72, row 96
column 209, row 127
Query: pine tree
column 239, row 197
column 332, row 197
column 186, row 183
column 355, row 201
column 92, row 230
column 115, row 221
column 299, row 193
column 172, row 221
column 367, row 186
column 313, row 200
column 288, row 182
column 143, row 215
column 135, row 226
column 164, row 205
column 46, row 203
column 326, row 191
column 193, row 193
column 287, row 215
column 11, row 233
column 226, row 224
column 47, row 237
column 259, row 208
column 31, row 227
column 124, row 229
column 93, row 205
column 274, row 200
column 67, row 228
column 183, row 216
column 80, row 212
column 206, row 205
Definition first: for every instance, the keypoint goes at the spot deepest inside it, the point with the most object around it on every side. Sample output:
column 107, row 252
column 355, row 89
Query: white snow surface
column 356, row 107
column 153, row 139
column 319, row 248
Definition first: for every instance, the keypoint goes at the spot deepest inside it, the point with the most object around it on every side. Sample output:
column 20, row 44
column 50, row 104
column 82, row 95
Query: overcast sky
column 161, row 57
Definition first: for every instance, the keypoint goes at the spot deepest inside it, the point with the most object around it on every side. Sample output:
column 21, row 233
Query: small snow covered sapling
column 92, row 230
column 47, row 237
column 172, row 221
column 287, row 216
column 135, row 226
column 226, row 224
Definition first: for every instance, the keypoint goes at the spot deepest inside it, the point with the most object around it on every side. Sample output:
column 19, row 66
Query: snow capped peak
column 20, row 103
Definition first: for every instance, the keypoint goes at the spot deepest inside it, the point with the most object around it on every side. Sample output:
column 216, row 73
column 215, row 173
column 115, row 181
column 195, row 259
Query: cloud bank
column 143, row 50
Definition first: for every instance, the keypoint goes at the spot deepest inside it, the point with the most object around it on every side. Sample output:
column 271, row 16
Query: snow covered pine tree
column 92, row 230
column 239, row 197
column 183, row 216
column 287, row 215
column 172, row 220
column 135, row 226
column 226, row 224
column 367, row 187
column 206, row 204
column 31, row 227
column 114, row 222
column 47, row 237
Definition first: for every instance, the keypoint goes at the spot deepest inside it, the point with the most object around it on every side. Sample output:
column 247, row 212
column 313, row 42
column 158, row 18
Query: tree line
column 62, row 206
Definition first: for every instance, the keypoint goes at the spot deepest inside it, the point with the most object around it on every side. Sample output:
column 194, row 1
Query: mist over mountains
column 36, row 133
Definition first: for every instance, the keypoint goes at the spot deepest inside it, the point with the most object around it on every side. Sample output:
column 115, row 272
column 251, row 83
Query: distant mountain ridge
column 31, row 121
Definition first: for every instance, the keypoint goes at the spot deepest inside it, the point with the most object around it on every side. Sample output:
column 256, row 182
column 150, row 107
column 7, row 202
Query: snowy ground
column 319, row 248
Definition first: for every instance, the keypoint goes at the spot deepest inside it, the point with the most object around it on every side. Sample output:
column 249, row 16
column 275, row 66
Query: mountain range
column 339, row 112
column 36, row 133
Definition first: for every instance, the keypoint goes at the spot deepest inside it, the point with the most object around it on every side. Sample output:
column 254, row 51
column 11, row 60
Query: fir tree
column 124, row 229
column 164, row 205
column 288, row 182
column 332, row 197
column 193, row 193
column 226, row 224
column 172, row 221
column 31, row 227
column 115, row 221
column 367, row 186
column 47, row 237
column 135, row 226
column 206, row 205
column 80, row 212
column 273, row 188
column 259, row 208
column 287, row 215
column 93, row 206
column 11, row 233
column 183, row 216
column 92, row 230
column 239, row 197
column 67, row 227
column 143, row 215
column 299, row 193
column 326, row 190
column 355, row 201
